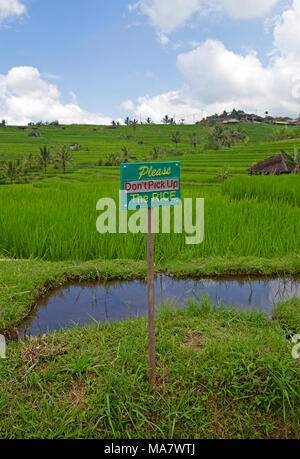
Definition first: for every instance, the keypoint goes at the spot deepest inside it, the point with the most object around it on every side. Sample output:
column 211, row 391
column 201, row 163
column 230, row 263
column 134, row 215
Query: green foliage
column 284, row 189
column 283, row 133
column 63, row 157
column 224, row 173
column 12, row 170
column 221, row 374
column 44, row 158
column 288, row 315
column 221, row 136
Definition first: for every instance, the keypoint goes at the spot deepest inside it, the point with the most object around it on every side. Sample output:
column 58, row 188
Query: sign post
column 150, row 185
column 151, row 305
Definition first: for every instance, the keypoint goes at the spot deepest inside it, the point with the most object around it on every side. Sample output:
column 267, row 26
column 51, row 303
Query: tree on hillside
column 155, row 153
column 3, row 124
column 221, row 136
column 194, row 140
column 134, row 124
column 63, row 157
column 127, row 121
column 44, row 158
column 166, row 119
column 149, row 120
column 176, row 138
column 29, row 161
column 12, row 170
column 112, row 159
column 127, row 155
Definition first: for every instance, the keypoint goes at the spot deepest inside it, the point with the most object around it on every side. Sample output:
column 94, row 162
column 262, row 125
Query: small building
column 275, row 165
column 76, row 147
column 231, row 121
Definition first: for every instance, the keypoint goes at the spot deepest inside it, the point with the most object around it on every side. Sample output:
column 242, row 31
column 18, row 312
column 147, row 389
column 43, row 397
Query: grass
column 288, row 315
column 221, row 374
column 280, row 189
column 51, row 229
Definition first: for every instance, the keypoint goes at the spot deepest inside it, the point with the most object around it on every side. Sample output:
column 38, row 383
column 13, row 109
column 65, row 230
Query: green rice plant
column 280, row 189
column 56, row 220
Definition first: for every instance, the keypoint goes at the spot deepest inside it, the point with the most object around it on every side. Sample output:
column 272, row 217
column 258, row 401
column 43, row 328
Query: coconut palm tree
column 126, row 155
column 134, row 124
column 45, row 158
column 63, row 157
column 112, row 159
column 155, row 153
column 12, row 170
column 29, row 161
column 176, row 138
column 194, row 140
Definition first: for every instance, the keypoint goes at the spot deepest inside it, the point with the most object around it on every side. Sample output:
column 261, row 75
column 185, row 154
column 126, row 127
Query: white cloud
column 179, row 104
column 25, row 97
column 287, row 32
column 128, row 105
column 11, row 8
column 168, row 15
column 218, row 79
column 245, row 9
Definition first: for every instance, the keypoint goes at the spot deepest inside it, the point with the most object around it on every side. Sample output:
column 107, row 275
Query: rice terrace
column 48, row 237
column 150, row 242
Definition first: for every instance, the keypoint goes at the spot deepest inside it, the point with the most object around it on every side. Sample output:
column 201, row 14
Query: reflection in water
column 115, row 301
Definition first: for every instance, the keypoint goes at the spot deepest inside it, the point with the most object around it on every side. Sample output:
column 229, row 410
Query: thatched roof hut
column 275, row 165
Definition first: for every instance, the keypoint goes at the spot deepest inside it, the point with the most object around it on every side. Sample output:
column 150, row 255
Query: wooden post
column 151, row 305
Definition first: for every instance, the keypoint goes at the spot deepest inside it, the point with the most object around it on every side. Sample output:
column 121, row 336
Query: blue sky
column 106, row 60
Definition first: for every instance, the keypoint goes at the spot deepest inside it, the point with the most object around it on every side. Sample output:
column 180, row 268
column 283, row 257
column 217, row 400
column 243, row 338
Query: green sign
column 150, row 185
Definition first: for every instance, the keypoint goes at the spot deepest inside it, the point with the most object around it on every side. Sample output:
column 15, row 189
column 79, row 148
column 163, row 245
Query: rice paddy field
column 48, row 230
column 54, row 218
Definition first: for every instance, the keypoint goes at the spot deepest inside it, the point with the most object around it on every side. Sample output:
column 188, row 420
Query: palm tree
column 63, row 157
column 194, row 140
column 126, row 155
column 134, row 123
column 149, row 120
column 112, row 159
column 176, row 138
column 294, row 158
column 12, row 170
column 166, row 120
column 44, row 158
column 155, row 153
column 29, row 161
column 222, row 136
column 127, row 121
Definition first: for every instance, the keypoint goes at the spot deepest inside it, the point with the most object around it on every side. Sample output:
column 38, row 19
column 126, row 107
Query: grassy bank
column 221, row 374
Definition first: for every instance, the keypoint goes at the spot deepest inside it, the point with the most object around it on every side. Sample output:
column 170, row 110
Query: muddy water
column 115, row 301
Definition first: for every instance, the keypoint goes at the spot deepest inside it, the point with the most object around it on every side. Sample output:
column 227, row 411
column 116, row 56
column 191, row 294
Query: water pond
column 114, row 301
